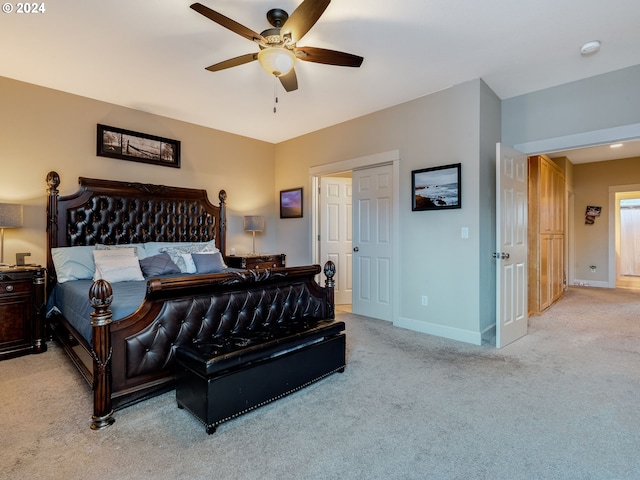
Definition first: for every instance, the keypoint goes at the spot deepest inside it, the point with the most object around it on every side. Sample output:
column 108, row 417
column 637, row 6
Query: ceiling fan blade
column 303, row 18
column 228, row 23
column 233, row 62
column 289, row 81
column 329, row 57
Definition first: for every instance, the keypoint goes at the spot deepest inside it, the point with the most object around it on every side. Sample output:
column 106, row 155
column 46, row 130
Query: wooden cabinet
column 551, row 269
column 546, row 235
column 256, row 261
column 22, row 305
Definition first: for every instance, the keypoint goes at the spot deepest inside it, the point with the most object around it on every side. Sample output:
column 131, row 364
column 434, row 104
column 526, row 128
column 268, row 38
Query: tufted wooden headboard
column 116, row 213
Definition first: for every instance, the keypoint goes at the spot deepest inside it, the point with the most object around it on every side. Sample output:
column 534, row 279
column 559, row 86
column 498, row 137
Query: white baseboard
column 452, row 333
column 590, row 283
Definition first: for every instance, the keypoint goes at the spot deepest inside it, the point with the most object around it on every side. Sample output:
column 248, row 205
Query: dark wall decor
column 137, row 147
column 437, row 188
column 591, row 214
column 291, row 203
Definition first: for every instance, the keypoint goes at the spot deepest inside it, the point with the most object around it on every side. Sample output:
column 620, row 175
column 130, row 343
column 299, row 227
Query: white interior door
column 373, row 242
column 337, row 232
column 511, row 245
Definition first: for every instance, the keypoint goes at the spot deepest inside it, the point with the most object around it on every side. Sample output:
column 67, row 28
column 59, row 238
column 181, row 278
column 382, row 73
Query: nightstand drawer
column 9, row 288
column 265, row 264
column 251, row 262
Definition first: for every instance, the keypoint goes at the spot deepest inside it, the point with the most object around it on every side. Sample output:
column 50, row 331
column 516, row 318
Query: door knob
column 356, row 249
column 501, row 255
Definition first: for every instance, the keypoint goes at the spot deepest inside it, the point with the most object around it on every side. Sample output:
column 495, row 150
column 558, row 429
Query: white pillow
column 116, row 252
column 118, row 268
column 73, row 263
column 190, row 266
column 139, row 247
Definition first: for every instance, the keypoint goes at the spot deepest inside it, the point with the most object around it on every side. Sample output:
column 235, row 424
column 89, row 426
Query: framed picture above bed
column 291, row 203
column 137, row 147
column 436, row 188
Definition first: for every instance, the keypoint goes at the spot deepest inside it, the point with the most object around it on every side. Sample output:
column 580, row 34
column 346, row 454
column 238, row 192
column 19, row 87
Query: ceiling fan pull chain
column 275, row 93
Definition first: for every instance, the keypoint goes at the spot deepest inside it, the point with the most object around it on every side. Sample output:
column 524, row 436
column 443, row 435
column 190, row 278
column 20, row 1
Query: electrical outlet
column 425, row 300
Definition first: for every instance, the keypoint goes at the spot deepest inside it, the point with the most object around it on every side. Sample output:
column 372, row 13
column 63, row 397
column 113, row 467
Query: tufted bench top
column 217, row 356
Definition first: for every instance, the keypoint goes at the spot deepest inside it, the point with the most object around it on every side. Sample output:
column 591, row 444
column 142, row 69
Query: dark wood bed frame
column 113, row 213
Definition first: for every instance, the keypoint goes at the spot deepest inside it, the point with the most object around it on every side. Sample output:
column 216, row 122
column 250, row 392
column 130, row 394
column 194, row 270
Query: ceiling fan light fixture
column 276, row 61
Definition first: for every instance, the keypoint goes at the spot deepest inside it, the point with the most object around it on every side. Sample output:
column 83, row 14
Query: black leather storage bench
column 219, row 381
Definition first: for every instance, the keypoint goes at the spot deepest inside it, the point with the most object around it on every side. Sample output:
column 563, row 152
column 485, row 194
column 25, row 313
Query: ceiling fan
column 278, row 50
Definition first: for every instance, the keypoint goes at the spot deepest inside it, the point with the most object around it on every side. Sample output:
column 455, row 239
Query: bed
column 125, row 333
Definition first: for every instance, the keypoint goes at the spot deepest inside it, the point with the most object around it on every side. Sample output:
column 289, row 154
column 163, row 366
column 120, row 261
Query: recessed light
column 590, row 48
column 615, row 145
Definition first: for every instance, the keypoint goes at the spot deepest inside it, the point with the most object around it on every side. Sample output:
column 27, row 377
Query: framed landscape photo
column 437, row 188
column 137, row 147
column 291, row 203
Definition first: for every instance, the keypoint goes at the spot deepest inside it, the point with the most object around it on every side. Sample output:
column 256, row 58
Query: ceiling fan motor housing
column 277, row 17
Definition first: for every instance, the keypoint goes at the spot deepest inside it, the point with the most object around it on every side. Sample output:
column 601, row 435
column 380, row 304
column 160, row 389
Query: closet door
column 546, row 227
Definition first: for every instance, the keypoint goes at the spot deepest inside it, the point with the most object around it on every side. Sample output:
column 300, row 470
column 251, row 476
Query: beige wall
column 591, row 182
column 43, row 129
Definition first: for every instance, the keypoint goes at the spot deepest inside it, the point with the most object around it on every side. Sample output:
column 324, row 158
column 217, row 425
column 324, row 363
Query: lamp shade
column 10, row 215
column 253, row 223
column 276, row 60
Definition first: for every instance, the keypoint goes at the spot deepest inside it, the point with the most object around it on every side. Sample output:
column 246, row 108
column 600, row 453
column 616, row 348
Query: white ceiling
column 600, row 153
column 151, row 55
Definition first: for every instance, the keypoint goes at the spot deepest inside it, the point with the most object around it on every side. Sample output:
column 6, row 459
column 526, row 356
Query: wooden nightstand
column 22, row 311
column 256, row 261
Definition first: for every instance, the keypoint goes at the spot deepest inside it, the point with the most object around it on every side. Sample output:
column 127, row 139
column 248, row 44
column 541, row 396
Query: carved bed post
column 222, row 196
column 330, row 272
column 53, row 182
column 101, row 296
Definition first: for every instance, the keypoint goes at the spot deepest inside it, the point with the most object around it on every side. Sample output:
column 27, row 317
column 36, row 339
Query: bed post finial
column 330, row 272
column 101, row 296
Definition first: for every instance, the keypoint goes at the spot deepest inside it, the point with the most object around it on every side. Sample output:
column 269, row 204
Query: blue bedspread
column 72, row 300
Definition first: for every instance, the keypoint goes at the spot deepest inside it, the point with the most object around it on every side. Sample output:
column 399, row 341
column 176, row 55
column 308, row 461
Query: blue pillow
column 160, row 264
column 208, row 262
column 73, row 263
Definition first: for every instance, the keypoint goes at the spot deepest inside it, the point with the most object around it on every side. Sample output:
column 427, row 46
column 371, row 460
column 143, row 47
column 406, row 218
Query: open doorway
column 616, row 149
column 336, row 231
column 376, row 287
column 627, row 244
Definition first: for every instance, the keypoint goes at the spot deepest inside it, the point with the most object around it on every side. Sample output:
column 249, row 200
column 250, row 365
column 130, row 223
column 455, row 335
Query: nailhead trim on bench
column 237, row 414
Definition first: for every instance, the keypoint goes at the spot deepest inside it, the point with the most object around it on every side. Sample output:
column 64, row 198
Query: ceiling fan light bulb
column 276, row 61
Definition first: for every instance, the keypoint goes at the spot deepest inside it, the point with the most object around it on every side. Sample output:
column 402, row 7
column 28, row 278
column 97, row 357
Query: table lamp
column 10, row 217
column 253, row 224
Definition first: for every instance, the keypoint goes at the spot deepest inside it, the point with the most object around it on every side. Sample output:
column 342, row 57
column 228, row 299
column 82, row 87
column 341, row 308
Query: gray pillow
column 160, row 264
column 208, row 262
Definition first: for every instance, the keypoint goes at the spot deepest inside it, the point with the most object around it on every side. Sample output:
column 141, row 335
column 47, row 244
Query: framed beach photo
column 291, row 203
column 436, row 188
column 137, row 147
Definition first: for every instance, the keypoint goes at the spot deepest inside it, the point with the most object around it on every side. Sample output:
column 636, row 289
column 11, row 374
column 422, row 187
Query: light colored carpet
column 561, row 403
